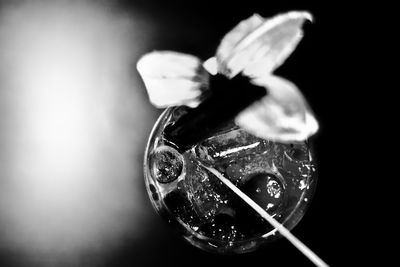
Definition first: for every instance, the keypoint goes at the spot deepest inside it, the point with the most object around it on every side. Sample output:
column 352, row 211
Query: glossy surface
column 278, row 177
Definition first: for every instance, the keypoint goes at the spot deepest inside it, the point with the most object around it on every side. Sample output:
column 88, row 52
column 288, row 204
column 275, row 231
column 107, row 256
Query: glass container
column 278, row 177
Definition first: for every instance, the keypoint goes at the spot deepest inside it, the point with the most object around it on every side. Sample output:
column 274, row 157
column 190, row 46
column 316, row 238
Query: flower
column 254, row 48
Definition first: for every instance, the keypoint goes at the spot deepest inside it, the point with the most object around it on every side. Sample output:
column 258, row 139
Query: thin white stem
column 282, row 229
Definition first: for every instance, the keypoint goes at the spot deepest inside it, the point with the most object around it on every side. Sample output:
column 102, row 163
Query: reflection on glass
column 278, row 177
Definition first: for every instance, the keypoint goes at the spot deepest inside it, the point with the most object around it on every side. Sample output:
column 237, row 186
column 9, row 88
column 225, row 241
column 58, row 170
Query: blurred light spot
column 72, row 126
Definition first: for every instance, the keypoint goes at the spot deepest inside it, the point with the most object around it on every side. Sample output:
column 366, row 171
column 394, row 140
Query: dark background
column 334, row 225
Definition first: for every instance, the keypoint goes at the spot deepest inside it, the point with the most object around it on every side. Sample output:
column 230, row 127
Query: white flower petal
column 283, row 115
column 257, row 46
column 172, row 78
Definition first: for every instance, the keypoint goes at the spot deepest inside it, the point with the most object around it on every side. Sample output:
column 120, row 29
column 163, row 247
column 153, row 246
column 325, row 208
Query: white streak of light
column 236, row 149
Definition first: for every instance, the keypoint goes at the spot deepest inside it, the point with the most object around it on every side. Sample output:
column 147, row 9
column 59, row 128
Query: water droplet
column 274, row 189
column 303, row 184
column 270, row 205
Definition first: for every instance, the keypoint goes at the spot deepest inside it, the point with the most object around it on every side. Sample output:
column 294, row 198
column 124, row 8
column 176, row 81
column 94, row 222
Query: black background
column 323, row 68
